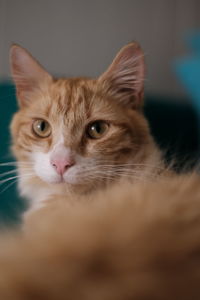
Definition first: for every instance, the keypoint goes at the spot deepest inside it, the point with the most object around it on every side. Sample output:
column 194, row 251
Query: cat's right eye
column 41, row 128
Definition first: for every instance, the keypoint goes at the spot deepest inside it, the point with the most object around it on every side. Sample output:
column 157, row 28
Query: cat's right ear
column 27, row 74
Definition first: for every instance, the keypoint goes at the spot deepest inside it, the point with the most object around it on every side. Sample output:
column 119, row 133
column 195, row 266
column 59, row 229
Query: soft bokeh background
column 73, row 38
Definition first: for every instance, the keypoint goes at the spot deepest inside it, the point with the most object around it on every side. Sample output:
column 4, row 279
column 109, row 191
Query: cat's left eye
column 97, row 129
column 41, row 128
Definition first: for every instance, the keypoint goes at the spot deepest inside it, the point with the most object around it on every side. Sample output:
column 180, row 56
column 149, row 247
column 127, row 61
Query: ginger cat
column 79, row 135
column 104, row 229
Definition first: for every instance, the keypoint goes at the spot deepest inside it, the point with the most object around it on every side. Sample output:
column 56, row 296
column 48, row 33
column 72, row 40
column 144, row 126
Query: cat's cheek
column 75, row 176
column 48, row 178
column 71, row 177
column 43, row 169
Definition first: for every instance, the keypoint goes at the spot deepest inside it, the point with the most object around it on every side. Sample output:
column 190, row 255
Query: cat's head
column 79, row 132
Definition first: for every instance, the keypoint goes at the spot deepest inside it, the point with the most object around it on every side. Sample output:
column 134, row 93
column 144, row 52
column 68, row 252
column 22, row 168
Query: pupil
column 42, row 126
column 98, row 127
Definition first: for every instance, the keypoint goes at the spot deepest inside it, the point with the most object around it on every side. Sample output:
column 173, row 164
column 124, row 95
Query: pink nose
column 61, row 165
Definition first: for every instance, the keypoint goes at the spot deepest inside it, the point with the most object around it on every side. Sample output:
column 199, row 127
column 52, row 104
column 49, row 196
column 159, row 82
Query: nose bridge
column 62, row 140
column 73, row 125
column 61, row 151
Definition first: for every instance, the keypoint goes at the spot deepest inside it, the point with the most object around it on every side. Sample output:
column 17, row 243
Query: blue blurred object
column 193, row 41
column 188, row 69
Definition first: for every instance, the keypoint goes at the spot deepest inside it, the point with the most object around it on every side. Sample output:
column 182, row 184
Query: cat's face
column 79, row 132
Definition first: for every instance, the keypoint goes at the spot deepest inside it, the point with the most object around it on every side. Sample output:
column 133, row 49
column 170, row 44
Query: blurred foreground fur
column 130, row 242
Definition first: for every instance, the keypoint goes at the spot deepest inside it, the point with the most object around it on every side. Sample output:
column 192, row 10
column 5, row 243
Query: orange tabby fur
column 137, row 241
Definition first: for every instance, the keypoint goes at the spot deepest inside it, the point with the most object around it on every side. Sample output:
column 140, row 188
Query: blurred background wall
column 74, row 37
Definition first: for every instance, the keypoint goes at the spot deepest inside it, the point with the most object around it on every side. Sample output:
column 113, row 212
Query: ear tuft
column 125, row 76
column 27, row 73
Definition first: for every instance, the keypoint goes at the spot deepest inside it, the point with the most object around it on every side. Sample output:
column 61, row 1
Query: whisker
column 15, row 163
column 7, row 173
column 131, row 164
column 15, row 177
column 113, row 173
column 108, row 169
column 8, row 186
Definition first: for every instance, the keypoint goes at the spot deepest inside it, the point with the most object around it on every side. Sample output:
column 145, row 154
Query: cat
column 133, row 241
column 79, row 135
column 110, row 237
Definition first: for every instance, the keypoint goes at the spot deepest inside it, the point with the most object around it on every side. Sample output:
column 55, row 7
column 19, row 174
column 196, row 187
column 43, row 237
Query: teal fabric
column 10, row 203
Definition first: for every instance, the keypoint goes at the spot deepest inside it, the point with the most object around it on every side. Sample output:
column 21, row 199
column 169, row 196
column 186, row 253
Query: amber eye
column 97, row 129
column 41, row 128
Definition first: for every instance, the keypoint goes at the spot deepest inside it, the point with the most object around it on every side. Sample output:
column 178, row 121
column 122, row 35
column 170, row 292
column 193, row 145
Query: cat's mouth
column 61, row 180
column 65, row 178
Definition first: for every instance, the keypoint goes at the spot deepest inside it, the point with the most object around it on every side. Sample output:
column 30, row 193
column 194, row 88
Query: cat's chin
column 50, row 177
column 58, row 181
column 61, row 181
column 71, row 183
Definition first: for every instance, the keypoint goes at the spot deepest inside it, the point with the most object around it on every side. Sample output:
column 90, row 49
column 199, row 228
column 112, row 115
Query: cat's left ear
column 124, row 79
column 29, row 76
